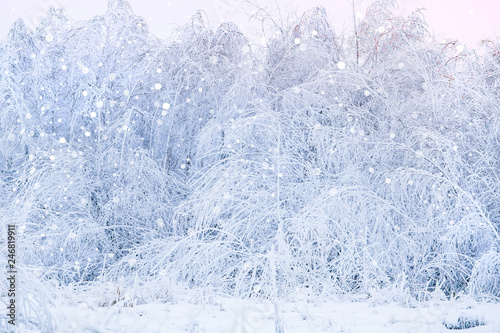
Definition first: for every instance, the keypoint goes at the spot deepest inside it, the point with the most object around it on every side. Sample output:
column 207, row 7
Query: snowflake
column 85, row 93
column 85, row 70
column 341, row 65
column 296, row 90
column 333, row 192
column 297, row 41
column 49, row 38
column 99, row 104
column 28, row 115
column 388, row 180
column 62, row 140
column 213, row 60
column 87, row 133
column 157, row 86
column 392, row 135
column 93, row 114
column 63, row 67
column 166, row 106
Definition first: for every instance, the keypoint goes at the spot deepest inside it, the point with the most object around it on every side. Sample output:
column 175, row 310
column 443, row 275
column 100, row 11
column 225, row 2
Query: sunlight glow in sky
column 469, row 21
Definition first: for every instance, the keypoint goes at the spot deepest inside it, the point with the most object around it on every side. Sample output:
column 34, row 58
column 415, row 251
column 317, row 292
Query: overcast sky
column 466, row 20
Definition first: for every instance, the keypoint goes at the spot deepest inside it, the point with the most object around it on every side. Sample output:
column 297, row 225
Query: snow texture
column 360, row 166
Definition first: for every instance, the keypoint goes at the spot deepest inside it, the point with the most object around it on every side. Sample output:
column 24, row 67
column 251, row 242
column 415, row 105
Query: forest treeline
column 311, row 163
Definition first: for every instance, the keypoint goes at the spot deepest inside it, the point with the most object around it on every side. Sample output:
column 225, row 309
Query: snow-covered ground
column 217, row 314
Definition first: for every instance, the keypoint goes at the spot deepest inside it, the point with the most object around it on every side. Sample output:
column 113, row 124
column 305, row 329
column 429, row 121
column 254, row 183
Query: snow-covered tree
column 314, row 162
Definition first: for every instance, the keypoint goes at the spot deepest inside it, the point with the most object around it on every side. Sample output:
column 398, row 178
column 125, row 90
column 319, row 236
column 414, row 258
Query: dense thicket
column 351, row 164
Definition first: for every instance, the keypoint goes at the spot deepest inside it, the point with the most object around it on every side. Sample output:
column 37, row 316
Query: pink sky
column 466, row 20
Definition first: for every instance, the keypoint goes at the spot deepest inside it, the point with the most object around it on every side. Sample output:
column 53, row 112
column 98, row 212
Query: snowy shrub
column 485, row 276
column 36, row 302
column 463, row 323
column 314, row 163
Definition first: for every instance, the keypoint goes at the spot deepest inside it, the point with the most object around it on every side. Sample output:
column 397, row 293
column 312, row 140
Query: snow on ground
column 247, row 316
